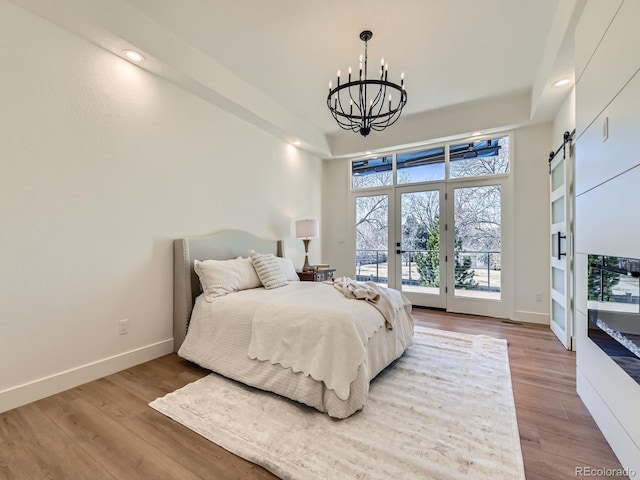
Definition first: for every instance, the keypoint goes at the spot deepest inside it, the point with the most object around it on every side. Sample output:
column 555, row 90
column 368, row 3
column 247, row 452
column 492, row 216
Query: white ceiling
column 270, row 61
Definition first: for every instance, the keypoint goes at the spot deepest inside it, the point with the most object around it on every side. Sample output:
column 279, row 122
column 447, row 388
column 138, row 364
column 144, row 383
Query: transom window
column 486, row 157
column 489, row 156
column 372, row 172
column 422, row 166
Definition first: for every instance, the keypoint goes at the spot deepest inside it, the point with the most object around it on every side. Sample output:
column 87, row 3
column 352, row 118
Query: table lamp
column 306, row 230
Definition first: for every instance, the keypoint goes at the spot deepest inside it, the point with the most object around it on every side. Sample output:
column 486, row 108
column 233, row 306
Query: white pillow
column 219, row 277
column 286, row 265
column 268, row 270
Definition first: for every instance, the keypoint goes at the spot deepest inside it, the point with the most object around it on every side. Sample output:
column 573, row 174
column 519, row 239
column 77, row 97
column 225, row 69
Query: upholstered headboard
column 219, row 246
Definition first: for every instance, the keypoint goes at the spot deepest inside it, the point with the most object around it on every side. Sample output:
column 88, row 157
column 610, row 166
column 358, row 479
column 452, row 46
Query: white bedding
column 220, row 334
column 386, row 300
column 321, row 335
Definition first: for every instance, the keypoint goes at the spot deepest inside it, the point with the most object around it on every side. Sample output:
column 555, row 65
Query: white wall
column 531, row 229
column 565, row 120
column 103, row 165
column 338, row 218
column 532, row 242
column 607, row 218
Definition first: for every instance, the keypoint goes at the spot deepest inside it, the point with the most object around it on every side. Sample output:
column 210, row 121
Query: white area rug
column 444, row 410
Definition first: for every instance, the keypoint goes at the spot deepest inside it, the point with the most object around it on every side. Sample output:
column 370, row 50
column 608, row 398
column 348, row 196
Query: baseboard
column 44, row 387
column 532, row 317
column 621, row 443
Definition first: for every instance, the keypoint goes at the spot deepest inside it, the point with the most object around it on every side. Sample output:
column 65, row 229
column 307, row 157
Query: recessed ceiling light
column 133, row 55
column 562, row 82
column 368, row 152
column 476, row 134
column 297, row 143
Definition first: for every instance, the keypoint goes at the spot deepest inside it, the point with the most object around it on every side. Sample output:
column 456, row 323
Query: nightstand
column 317, row 276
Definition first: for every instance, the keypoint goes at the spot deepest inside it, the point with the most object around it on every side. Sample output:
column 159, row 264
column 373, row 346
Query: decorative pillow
column 219, row 277
column 286, row 265
column 268, row 270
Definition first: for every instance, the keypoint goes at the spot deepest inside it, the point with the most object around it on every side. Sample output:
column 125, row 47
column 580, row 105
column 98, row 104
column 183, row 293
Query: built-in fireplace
column 613, row 303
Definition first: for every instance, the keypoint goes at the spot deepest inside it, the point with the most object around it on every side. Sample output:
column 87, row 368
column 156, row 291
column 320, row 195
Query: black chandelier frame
column 364, row 118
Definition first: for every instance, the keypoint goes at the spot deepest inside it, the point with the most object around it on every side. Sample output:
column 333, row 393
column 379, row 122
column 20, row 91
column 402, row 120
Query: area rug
column 444, row 410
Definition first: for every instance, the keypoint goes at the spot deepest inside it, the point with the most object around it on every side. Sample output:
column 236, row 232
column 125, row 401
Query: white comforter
column 323, row 335
column 220, row 333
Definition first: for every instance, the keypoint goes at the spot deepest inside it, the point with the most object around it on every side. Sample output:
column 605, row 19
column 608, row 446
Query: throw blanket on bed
column 385, row 300
column 323, row 335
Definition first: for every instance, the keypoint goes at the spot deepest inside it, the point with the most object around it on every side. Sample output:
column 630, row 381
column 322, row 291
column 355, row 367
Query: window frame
column 430, row 146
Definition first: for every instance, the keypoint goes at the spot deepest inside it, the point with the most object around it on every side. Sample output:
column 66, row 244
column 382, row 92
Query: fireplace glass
column 613, row 304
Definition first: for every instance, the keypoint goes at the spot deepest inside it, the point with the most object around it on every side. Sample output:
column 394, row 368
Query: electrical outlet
column 538, row 296
column 124, row 326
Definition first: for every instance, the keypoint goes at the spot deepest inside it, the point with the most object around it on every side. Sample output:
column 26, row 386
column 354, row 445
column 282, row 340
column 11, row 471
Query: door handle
column 560, row 238
column 398, row 252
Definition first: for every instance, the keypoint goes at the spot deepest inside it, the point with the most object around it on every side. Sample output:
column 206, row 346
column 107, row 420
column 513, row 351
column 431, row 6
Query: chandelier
column 363, row 105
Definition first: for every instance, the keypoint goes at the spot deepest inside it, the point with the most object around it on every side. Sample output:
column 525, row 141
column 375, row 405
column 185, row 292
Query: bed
column 220, row 334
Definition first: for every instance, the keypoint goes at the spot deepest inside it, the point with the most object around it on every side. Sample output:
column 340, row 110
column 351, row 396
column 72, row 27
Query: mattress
column 219, row 336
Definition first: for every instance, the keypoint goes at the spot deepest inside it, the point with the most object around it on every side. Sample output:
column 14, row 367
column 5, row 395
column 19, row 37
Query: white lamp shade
column 307, row 229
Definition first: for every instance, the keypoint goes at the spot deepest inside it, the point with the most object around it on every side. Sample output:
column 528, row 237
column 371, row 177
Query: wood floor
column 105, row 430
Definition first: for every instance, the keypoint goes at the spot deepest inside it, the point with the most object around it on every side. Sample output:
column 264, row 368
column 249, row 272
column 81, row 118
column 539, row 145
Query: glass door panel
column 420, row 268
column 372, row 239
column 558, row 280
column 477, row 230
column 557, row 176
column 558, row 210
column 558, row 314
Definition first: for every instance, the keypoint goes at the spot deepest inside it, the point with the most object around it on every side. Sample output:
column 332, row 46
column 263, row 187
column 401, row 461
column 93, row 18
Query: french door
column 448, row 249
column 420, row 265
column 479, row 249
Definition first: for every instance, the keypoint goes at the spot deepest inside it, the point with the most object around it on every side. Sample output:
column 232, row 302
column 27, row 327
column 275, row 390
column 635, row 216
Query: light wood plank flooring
column 105, row 430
